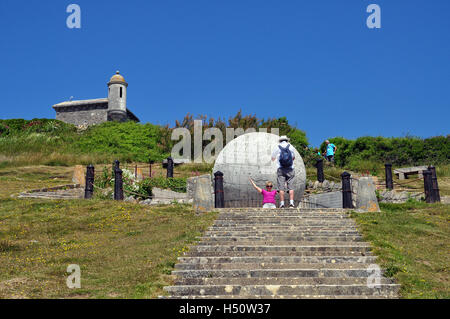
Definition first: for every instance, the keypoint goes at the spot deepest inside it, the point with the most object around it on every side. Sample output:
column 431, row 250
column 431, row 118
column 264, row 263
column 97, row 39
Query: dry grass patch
column 124, row 250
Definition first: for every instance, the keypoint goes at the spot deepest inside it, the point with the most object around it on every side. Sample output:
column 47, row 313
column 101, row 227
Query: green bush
column 137, row 189
column 21, row 126
column 131, row 186
column 39, row 138
column 4, row 129
column 298, row 137
column 135, row 142
column 370, row 153
column 129, row 141
column 15, row 125
column 176, row 184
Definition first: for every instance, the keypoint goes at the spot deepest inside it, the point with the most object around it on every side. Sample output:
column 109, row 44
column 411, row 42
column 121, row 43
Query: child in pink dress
column 268, row 194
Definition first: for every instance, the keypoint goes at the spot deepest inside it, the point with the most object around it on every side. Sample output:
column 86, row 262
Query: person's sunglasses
column 269, row 186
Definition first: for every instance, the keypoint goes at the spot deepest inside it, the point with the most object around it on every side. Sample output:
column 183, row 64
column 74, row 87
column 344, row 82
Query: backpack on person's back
column 286, row 159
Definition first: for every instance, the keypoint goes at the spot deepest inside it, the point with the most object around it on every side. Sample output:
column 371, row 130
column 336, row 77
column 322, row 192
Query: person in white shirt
column 284, row 155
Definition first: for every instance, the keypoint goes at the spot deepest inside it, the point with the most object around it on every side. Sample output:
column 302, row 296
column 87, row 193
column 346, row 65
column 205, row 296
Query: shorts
column 285, row 176
column 330, row 158
column 269, row 205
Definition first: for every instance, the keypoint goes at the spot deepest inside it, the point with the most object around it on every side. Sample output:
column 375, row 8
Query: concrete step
column 291, row 219
column 286, row 223
column 310, row 247
column 287, row 227
column 283, row 253
column 275, row 253
column 278, row 259
column 262, row 242
column 279, row 281
column 293, row 216
column 284, row 290
column 280, row 228
column 258, row 239
column 268, row 273
column 271, row 266
column 286, row 232
column 307, row 217
column 46, row 195
column 252, row 233
column 304, row 246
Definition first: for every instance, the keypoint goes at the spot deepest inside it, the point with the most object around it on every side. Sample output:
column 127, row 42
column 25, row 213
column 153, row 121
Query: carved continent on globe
column 250, row 155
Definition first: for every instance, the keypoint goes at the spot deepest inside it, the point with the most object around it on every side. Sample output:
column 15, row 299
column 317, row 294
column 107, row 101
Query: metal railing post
column 389, row 181
column 118, row 182
column 89, row 189
column 428, row 186
column 319, row 165
column 346, row 191
column 434, row 185
column 169, row 167
column 219, row 200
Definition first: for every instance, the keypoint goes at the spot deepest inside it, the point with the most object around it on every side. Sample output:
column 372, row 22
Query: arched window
column 120, row 92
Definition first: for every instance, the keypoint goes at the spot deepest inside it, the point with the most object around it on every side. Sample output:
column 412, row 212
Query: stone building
column 89, row 112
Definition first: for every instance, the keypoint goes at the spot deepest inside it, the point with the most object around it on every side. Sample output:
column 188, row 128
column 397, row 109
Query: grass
column 18, row 179
column 128, row 250
column 195, row 168
column 124, row 250
column 412, row 243
column 52, row 159
column 331, row 173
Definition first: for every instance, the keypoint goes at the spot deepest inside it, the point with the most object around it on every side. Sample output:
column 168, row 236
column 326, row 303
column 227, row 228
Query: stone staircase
column 288, row 253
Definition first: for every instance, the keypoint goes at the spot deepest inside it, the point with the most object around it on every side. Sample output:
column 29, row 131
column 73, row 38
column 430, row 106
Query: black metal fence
column 431, row 187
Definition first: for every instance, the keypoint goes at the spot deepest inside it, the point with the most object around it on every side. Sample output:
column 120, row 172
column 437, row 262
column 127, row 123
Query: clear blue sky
column 315, row 62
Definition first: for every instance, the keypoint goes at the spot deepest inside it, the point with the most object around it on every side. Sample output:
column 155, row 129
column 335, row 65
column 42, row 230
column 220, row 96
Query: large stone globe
column 250, row 155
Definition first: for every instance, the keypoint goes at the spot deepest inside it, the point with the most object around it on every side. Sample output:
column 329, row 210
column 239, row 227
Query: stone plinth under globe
column 249, row 155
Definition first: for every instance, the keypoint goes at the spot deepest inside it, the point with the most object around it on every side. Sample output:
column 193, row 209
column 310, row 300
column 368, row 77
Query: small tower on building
column 83, row 113
column 117, row 98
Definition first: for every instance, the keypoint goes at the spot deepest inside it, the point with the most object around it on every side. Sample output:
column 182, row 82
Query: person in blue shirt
column 331, row 150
